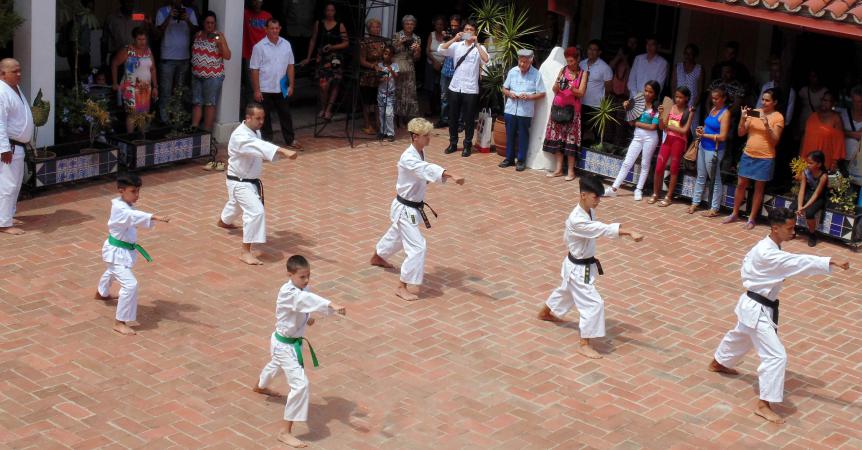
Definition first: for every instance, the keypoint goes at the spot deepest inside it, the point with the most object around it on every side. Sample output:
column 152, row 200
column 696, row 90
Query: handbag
column 562, row 114
column 690, row 154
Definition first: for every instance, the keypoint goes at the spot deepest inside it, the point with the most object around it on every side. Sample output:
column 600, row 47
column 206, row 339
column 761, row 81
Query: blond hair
column 420, row 126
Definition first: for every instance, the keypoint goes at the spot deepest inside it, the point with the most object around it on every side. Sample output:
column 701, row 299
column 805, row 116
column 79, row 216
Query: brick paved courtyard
column 467, row 366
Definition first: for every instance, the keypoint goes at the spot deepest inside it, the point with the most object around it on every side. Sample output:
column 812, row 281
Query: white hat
column 526, row 53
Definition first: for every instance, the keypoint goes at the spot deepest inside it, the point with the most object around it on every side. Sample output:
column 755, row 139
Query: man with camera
column 469, row 56
column 176, row 24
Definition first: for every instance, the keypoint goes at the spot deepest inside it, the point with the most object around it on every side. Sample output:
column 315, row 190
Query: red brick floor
column 468, row 366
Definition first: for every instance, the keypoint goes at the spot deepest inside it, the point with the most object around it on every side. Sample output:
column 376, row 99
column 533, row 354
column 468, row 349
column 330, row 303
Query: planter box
column 844, row 227
column 606, row 165
column 158, row 149
column 71, row 165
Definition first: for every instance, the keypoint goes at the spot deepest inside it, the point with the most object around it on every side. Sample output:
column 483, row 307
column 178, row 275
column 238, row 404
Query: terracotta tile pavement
column 468, row 366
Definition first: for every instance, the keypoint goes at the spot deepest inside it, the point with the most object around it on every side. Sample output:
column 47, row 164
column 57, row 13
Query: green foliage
column 491, row 92
column 842, row 196
column 602, row 117
column 179, row 118
column 9, row 21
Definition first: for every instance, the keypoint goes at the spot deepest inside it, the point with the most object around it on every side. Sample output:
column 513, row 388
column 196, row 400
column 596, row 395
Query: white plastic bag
column 483, row 131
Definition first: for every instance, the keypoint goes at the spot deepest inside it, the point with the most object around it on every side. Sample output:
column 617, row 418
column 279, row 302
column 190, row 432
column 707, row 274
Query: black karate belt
column 13, row 143
column 587, row 262
column 771, row 304
column 419, row 206
column 255, row 181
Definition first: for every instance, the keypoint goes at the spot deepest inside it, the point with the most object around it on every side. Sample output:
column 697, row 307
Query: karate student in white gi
column 16, row 129
column 293, row 309
column 246, row 152
column 407, row 212
column 120, row 251
column 580, row 267
column 763, row 272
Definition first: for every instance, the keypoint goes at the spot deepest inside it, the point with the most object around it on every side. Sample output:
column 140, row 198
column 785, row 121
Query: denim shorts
column 206, row 91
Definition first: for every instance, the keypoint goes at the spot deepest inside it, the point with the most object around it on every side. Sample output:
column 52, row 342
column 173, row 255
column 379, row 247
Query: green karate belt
column 129, row 246
column 297, row 347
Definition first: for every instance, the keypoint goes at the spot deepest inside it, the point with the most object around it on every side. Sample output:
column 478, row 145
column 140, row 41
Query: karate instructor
column 16, row 128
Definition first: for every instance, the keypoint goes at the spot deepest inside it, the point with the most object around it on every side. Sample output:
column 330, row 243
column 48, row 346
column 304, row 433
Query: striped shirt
column 206, row 58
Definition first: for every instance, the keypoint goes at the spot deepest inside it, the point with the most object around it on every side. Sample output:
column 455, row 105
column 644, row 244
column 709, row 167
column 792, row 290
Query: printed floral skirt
column 563, row 137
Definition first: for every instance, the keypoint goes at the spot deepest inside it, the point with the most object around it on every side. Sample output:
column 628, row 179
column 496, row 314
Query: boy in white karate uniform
column 763, row 272
column 581, row 267
column 246, row 152
column 293, row 310
column 408, row 210
column 120, row 251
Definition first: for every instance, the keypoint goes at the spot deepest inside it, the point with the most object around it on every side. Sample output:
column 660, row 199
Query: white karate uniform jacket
column 16, row 122
column 122, row 224
column 576, row 290
column 246, row 153
column 292, row 310
column 414, row 174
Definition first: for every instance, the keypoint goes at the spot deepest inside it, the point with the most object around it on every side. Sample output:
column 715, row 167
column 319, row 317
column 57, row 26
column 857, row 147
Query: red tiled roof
column 847, row 11
column 837, row 17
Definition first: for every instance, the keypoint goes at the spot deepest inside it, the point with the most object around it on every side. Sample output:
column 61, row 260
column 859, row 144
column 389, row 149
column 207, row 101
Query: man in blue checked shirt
column 523, row 86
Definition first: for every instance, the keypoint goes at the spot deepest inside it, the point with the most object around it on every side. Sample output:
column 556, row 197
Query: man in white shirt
column 785, row 92
column 16, row 128
column 599, row 78
column 647, row 66
column 176, row 24
column 246, row 153
column 271, row 61
column 763, row 272
column 469, row 56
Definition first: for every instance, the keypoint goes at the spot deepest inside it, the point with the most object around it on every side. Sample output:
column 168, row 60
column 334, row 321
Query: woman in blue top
column 645, row 140
column 712, row 135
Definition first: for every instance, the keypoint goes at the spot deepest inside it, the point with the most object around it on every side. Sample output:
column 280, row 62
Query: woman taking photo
column 370, row 53
column 408, row 46
column 713, row 137
column 139, row 83
column 330, row 39
column 564, row 137
column 763, row 127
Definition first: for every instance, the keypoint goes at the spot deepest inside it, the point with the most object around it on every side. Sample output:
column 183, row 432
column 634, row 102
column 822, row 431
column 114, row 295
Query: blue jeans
column 206, row 91
column 172, row 73
column 708, row 164
column 444, row 97
column 386, row 109
column 517, row 133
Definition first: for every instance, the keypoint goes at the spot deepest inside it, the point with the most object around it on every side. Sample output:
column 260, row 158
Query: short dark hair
column 125, row 180
column 595, row 42
column 208, row 14
column 592, row 184
column 272, row 20
column 250, row 107
column 389, row 47
column 470, row 22
column 695, row 50
column 455, row 17
column 818, row 157
column 652, row 37
column 296, row 263
column 138, row 31
column 780, row 216
column 732, row 45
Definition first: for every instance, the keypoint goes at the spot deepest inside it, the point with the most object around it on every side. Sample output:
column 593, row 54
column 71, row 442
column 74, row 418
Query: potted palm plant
column 506, row 29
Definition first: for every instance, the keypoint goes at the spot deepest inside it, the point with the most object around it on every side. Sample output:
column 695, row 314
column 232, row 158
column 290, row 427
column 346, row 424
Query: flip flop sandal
column 711, row 213
column 570, row 178
column 652, row 199
column 664, row 203
column 692, row 209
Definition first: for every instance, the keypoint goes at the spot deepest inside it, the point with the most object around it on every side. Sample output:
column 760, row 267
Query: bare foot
column 405, row 294
column 258, row 253
column 715, row 366
column 12, row 230
column 265, row 391
column 226, row 225
column 291, row 441
column 123, row 329
column 764, row 410
column 133, row 323
column 17, row 221
column 588, row 351
column 99, row 296
column 249, row 259
column 376, row 260
column 413, row 289
column 545, row 314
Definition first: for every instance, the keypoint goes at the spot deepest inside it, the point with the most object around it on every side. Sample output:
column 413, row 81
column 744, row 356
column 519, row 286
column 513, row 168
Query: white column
column 567, row 30
column 34, row 49
column 550, row 70
column 230, row 15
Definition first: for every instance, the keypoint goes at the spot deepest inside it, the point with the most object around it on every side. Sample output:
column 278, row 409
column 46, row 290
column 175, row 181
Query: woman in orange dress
column 824, row 132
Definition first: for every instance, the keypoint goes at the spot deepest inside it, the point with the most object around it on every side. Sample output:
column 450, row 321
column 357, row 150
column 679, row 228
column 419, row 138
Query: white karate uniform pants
column 11, row 178
column 773, row 358
column 284, row 358
column 574, row 292
column 127, row 304
column 243, row 199
column 643, row 142
column 404, row 233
